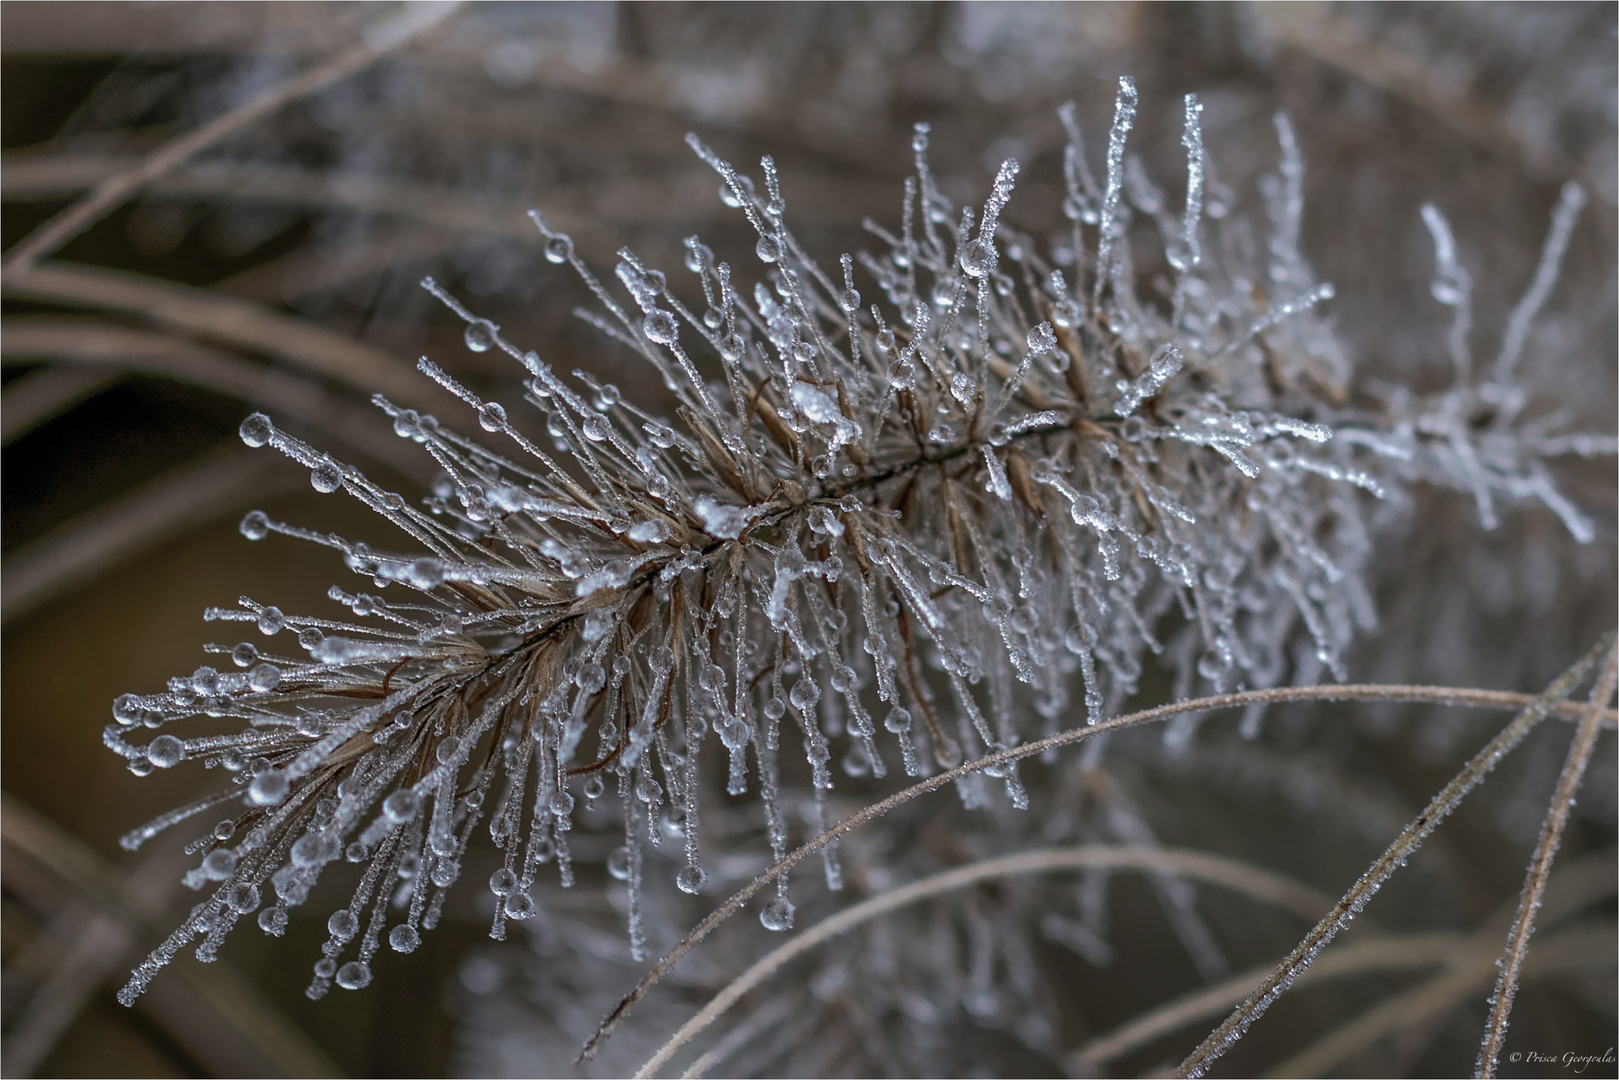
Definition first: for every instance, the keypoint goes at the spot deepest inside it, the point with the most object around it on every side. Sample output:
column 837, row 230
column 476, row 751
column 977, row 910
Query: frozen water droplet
column 557, row 250
column 325, row 478
column 480, row 335
column 219, row 864
column 492, row 417
column 1042, row 339
column 242, row 898
column 273, row 921
column 256, row 430
column 768, row 249
column 401, row 806
column 777, row 915
column 269, row 787
column 264, row 678
column 691, row 879
column 325, row 967
column 977, row 258
column 660, row 327
column 503, row 882
column 618, row 863
column 166, row 752
column 655, row 531
column 519, row 906
column 255, row 525
column 127, row 710
column 354, row 975
column 343, row 925
column 404, row 938
column 849, row 301
column 426, row 573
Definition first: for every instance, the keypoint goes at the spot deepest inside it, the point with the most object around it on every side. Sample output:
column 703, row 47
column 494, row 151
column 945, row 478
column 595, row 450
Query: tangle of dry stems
column 1533, row 710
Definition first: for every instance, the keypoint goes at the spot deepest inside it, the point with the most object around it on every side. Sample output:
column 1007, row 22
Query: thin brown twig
column 1576, row 885
column 378, row 41
column 217, row 1018
column 105, row 345
column 33, row 399
column 1577, row 947
column 199, row 491
column 237, row 322
column 1540, row 868
column 1390, row 952
column 1436, row 695
column 1440, row 807
column 1250, row 880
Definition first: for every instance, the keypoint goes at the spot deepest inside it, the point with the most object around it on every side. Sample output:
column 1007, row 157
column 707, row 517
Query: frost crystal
column 938, row 509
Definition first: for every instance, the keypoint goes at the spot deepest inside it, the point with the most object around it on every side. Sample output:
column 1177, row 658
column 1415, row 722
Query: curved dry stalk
column 1576, row 885
column 104, row 344
column 378, row 41
column 1435, row 695
column 1389, row 952
column 1540, row 868
column 33, row 399
column 1439, row 808
column 200, row 491
column 1573, row 949
column 1245, row 878
column 239, row 322
column 218, row 1019
column 1339, row 42
column 572, row 208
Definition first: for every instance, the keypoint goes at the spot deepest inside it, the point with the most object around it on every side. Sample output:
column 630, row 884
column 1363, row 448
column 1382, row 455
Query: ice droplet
column 271, row 621
column 557, row 250
column 354, row 975
column 655, row 531
column 343, row 924
column 977, row 258
column 401, row 806
column 492, row 417
column 404, row 938
column 660, row 327
column 269, row 787
column 166, row 752
column 242, row 898
column 264, row 678
column 691, row 879
column 325, row 478
column 256, row 430
column 768, row 249
column 480, row 335
column 777, row 915
column 255, row 525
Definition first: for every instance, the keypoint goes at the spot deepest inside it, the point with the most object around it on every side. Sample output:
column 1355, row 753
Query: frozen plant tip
column 881, row 535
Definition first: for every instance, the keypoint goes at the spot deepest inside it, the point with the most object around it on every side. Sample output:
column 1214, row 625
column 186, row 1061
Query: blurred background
column 279, row 269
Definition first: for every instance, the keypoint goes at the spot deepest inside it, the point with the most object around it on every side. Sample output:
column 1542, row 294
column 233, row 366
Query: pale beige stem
column 1241, row 877
column 379, row 40
column 1540, row 868
column 1435, row 695
column 1471, row 775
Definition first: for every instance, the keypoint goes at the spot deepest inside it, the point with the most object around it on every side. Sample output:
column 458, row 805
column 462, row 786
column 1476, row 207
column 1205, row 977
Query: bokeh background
column 269, row 269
